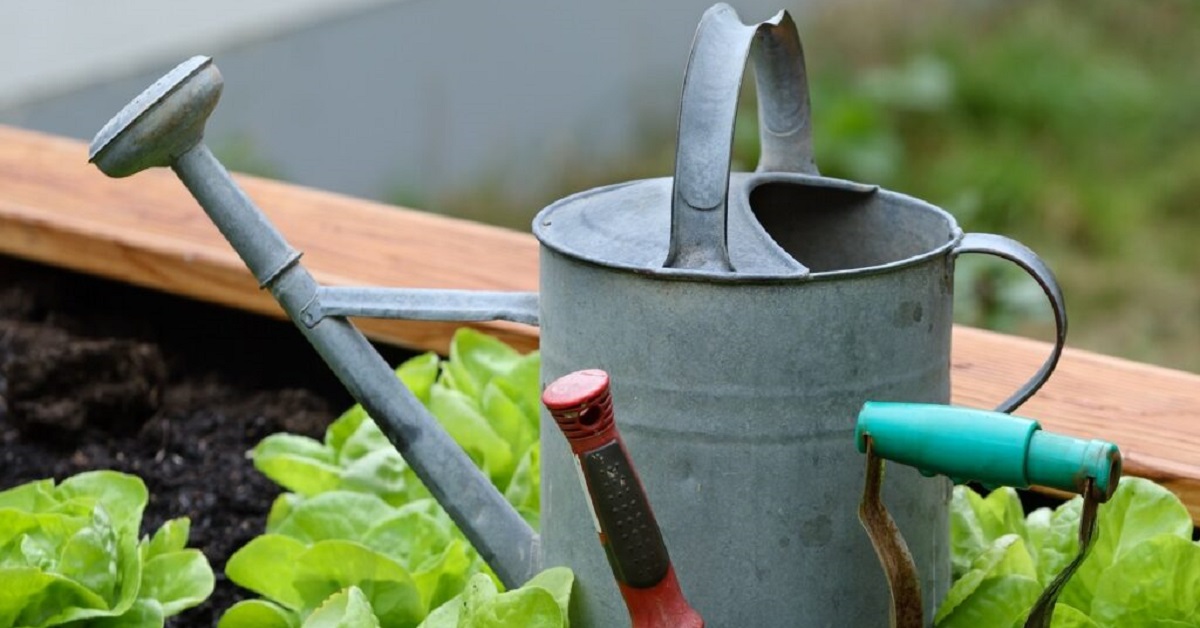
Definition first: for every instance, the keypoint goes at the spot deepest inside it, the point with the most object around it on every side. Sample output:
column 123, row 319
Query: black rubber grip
column 635, row 546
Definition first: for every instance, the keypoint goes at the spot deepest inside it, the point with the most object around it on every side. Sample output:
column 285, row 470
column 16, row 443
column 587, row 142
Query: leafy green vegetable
column 999, row 587
column 70, row 553
column 349, row 608
column 485, row 396
column 1143, row 569
column 258, row 613
column 1154, row 581
column 359, row 531
column 541, row 603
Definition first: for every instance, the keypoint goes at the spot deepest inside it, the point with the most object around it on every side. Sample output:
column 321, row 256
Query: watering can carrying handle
column 1019, row 254
column 706, row 121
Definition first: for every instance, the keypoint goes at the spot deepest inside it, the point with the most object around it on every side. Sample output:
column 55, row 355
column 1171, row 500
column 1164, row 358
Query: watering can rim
column 748, row 182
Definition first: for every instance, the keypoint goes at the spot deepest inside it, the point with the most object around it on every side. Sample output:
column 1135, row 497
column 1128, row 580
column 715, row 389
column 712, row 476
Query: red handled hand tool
column 581, row 405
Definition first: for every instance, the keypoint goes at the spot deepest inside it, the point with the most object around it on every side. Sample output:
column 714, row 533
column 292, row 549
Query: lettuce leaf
column 258, row 614
column 1154, row 582
column 348, row 608
column 541, row 603
column 408, row 558
column 1143, row 569
column 70, row 553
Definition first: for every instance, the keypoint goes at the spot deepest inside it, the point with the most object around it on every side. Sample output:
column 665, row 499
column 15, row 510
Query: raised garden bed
column 179, row 395
column 56, row 208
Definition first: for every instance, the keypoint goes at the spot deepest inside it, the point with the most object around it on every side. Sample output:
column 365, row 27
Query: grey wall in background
column 427, row 95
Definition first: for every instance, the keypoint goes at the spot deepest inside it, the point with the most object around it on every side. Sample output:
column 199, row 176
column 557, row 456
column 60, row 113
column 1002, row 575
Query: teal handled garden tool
column 991, row 448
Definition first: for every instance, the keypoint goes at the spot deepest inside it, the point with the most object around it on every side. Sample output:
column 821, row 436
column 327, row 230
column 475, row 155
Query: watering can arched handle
column 706, row 120
column 1021, row 255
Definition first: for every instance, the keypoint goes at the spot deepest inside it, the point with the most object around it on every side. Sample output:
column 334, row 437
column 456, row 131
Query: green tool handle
column 992, row 448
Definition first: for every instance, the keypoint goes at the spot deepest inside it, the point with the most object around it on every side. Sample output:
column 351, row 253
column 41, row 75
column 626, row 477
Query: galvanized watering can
column 744, row 318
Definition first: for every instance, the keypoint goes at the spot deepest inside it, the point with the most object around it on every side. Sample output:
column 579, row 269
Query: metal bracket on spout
column 421, row 304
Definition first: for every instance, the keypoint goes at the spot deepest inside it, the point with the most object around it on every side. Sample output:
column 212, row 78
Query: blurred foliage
column 1074, row 127
column 240, row 152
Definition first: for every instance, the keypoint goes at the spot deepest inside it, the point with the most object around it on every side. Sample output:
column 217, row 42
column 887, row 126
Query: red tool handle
column 581, row 405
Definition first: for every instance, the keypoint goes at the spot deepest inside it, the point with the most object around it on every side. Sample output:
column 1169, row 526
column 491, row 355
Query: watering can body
column 737, row 400
column 744, row 318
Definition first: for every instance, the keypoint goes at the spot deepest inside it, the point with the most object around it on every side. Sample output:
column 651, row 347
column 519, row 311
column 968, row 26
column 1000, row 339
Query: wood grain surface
column 57, row 209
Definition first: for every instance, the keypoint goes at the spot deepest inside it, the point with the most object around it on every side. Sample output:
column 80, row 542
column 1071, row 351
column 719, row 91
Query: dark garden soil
column 101, row 375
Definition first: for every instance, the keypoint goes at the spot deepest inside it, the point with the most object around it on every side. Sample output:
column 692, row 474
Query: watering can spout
column 164, row 127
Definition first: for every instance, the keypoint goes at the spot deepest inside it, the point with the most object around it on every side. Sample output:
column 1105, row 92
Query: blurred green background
column 1073, row 127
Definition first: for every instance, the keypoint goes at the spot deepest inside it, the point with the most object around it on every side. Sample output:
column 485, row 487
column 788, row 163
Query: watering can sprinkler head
column 162, row 123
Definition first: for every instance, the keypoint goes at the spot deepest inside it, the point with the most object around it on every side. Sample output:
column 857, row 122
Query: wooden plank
column 57, row 209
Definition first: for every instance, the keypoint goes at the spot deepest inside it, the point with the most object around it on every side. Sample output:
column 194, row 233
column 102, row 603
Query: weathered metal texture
column 744, row 320
column 164, row 127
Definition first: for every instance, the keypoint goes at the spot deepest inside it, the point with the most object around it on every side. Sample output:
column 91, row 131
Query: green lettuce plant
column 1143, row 570
column 359, row 532
column 485, row 396
column 70, row 555
column 541, row 603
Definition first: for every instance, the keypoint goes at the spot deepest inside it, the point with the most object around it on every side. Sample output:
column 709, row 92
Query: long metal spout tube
column 502, row 537
column 496, row 530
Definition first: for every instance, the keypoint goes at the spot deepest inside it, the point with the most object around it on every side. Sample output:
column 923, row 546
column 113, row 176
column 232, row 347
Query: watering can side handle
column 1021, row 255
column 707, row 115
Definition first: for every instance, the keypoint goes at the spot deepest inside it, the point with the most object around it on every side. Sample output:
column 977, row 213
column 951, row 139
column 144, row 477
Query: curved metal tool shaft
column 903, row 581
column 1043, row 610
column 163, row 127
